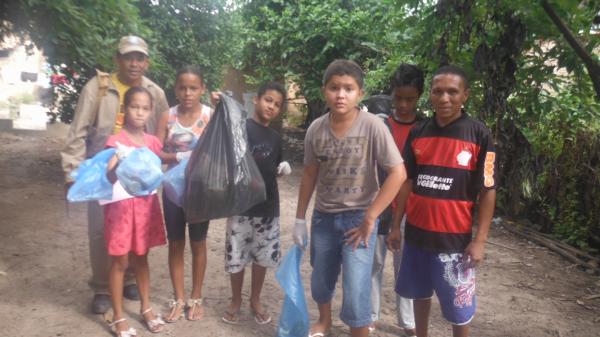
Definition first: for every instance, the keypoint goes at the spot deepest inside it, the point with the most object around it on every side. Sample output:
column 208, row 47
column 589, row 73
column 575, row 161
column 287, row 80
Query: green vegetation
column 79, row 36
column 534, row 69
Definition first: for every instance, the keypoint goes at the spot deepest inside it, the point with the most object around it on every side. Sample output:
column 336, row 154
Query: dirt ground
column 523, row 289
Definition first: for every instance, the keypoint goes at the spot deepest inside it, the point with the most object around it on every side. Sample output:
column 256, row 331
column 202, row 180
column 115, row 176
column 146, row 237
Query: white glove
column 179, row 156
column 300, row 233
column 284, row 168
column 123, row 151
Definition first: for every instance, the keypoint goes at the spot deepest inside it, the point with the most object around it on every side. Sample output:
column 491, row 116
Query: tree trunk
column 316, row 108
column 592, row 66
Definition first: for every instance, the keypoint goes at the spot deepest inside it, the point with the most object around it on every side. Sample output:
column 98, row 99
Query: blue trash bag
column 174, row 183
column 90, row 178
column 293, row 321
column 140, row 172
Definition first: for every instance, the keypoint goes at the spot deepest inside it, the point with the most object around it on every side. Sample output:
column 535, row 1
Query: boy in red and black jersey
column 450, row 162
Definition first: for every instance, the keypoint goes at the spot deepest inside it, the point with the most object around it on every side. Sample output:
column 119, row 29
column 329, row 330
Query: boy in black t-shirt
column 254, row 235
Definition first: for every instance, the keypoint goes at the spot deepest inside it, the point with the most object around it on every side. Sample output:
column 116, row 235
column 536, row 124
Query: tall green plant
column 530, row 86
column 78, row 36
column 75, row 36
column 200, row 32
column 298, row 39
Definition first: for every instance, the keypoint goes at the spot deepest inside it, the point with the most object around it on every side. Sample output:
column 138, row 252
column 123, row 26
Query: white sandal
column 131, row 332
column 154, row 325
column 191, row 304
column 174, row 305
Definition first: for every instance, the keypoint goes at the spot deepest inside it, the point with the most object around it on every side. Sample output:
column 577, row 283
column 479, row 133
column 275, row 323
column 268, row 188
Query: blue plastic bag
column 174, row 183
column 293, row 321
column 140, row 172
column 90, row 178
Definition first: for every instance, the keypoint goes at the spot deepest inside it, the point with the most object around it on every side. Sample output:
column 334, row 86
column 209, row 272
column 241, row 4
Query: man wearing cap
column 97, row 115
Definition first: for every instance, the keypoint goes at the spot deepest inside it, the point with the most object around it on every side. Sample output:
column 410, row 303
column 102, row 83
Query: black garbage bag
column 222, row 178
column 379, row 104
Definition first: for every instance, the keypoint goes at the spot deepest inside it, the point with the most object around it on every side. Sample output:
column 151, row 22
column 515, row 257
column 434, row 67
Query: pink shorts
column 133, row 225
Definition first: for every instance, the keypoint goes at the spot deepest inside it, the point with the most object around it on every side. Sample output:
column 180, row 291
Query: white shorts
column 251, row 239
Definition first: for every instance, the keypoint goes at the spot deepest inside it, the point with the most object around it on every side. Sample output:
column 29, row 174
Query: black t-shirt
column 265, row 145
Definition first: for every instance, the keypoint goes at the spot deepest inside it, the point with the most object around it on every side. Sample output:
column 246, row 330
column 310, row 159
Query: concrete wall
column 15, row 60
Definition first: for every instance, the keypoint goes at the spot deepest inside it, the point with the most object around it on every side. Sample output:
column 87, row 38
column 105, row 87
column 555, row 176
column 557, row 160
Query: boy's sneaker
column 131, row 292
column 100, row 303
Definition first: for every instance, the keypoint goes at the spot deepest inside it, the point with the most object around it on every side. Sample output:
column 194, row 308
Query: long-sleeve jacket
column 87, row 137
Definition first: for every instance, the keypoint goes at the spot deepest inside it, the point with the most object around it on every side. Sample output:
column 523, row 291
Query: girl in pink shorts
column 132, row 225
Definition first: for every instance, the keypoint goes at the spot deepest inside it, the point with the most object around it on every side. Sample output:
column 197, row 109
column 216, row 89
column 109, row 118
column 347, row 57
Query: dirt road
column 523, row 290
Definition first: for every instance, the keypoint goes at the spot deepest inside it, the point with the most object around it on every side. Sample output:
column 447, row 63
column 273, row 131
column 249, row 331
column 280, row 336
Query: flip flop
column 261, row 318
column 316, row 334
column 235, row 317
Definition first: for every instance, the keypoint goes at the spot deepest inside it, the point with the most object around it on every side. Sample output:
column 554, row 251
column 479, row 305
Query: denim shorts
column 329, row 254
column 423, row 272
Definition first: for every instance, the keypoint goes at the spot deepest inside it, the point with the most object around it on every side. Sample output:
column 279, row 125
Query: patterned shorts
column 423, row 272
column 251, row 239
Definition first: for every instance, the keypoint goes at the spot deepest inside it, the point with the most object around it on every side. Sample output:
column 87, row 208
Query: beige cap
column 132, row 43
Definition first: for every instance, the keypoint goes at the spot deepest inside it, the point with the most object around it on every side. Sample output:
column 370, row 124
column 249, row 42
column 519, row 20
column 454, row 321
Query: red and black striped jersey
column 448, row 166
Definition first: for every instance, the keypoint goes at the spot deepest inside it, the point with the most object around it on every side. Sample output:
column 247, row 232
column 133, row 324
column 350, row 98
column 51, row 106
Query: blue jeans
column 329, row 253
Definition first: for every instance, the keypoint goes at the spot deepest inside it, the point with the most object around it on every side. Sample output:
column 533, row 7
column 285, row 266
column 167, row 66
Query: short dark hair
column 272, row 86
column 190, row 69
column 136, row 90
column 276, row 86
column 344, row 67
column 452, row 70
column 408, row 75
